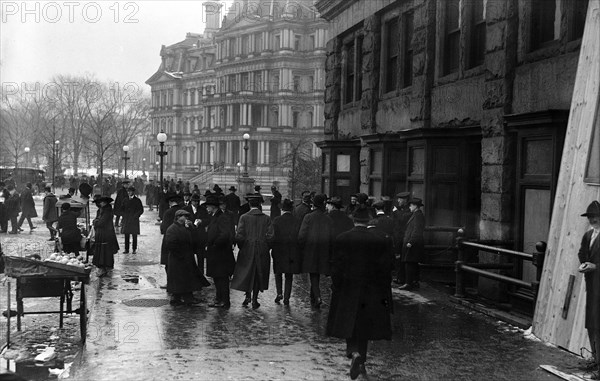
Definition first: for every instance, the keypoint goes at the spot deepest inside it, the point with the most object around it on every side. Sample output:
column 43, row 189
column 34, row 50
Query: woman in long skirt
column 105, row 246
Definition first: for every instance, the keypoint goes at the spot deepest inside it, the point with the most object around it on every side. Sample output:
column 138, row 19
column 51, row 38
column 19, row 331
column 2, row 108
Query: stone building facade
column 464, row 103
column 259, row 70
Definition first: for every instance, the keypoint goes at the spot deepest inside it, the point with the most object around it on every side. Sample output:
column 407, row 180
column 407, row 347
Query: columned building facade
column 260, row 71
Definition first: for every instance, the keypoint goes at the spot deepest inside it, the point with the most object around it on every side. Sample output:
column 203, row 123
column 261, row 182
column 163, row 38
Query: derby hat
column 379, row 204
column 593, row 210
column 257, row 188
column 104, row 198
column 175, row 198
column 403, row 195
column 195, row 197
column 287, row 205
column 361, row 215
column 253, row 196
column 212, row 200
column 362, row 198
column 335, row 201
column 416, row 201
column 319, row 200
column 232, row 188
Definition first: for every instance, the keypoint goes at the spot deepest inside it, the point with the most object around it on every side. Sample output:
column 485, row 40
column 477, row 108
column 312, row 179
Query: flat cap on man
column 181, row 212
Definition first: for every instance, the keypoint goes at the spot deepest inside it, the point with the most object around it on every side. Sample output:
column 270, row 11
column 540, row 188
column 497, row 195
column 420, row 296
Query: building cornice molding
column 329, row 9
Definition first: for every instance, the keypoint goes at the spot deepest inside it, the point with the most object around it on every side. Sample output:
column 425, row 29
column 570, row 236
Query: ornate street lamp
column 54, row 153
column 27, row 156
column 162, row 138
column 125, row 158
column 246, row 138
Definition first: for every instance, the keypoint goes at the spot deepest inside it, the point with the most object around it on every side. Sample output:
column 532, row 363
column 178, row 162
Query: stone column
column 333, row 81
column 371, row 48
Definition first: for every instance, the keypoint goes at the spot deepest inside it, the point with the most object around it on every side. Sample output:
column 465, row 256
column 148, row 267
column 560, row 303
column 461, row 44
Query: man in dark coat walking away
column 163, row 201
column 413, row 245
column 4, row 195
column 589, row 257
column 121, row 196
column 27, row 207
column 341, row 222
column 13, row 208
column 253, row 265
column 381, row 220
column 183, row 276
column 275, row 202
column 49, row 214
column 200, row 220
column 233, row 203
column 131, row 210
column 285, row 251
column 316, row 240
column 361, row 296
column 149, row 192
column 220, row 262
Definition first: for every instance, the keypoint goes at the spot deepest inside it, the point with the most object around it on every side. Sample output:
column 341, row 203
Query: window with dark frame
column 452, row 37
column 297, row 39
column 407, row 52
column 352, row 80
column 478, row 30
column 578, row 19
column 392, row 29
column 245, row 44
column 542, row 23
column 231, row 47
column 258, row 45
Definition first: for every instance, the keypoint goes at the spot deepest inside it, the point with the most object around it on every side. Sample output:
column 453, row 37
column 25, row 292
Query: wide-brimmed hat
column 403, row 195
column 131, row 189
column 212, row 200
column 287, row 205
column 232, row 188
column 175, row 198
column 593, row 209
column 257, row 188
column 103, row 198
column 195, row 197
column 335, row 201
column 181, row 212
column 253, row 196
column 416, row 201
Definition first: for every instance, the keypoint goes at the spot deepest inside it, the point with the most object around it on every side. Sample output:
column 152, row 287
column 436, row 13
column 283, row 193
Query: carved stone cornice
column 329, row 9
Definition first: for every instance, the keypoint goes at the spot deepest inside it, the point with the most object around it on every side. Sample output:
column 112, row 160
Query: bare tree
column 305, row 170
column 99, row 136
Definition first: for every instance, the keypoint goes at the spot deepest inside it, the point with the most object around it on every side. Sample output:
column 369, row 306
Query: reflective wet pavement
column 134, row 334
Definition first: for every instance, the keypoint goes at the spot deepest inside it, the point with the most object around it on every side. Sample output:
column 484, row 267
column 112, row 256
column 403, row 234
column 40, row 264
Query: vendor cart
column 39, row 279
column 81, row 206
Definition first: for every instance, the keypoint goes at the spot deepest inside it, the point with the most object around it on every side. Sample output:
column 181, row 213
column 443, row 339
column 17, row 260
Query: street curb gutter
column 512, row 319
column 91, row 296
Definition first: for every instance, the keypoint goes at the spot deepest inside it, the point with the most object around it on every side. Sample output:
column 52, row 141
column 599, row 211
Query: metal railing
column 480, row 269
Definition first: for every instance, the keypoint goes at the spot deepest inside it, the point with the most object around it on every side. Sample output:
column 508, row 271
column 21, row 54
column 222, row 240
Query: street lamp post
column 162, row 138
column 54, row 153
column 157, row 163
column 26, row 156
column 239, row 165
column 246, row 138
column 144, row 166
column 125, row 158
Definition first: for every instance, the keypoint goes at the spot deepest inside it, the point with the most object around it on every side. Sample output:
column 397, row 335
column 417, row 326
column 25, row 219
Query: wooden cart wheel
column 82, row 314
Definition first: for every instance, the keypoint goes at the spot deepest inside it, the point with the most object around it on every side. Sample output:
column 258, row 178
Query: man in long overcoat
column 589, row 257
column 149, row 191
column 305, row 206
column 400, row 215
column 275, row 202
column 200, row 220
column 233, row 203
column 121, row 196
column 361, row 296
column 413, row 245
column 220, row 262
column 285, row 251
column 105, row 240
column 27, row 207
column 49, row 214
column 131, row 210
column 13, row 208
column 316, row 240
column 253, row 265
column 183, row 276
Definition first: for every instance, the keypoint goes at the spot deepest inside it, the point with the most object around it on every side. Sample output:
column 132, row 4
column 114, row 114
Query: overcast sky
column 117, row 41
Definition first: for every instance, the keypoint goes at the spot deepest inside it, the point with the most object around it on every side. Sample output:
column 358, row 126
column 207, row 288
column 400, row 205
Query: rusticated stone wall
column 371, row 53
column 333, row 81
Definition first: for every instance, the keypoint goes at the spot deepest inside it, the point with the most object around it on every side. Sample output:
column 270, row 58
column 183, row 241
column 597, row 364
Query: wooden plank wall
column 572, row 198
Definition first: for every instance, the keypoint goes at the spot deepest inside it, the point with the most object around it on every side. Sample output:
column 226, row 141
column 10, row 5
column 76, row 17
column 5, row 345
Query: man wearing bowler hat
column 413, row 245
column 400, row 215
column 233, row 203
column 589, row 257
column 220, row 262
column 168, row 218
column 200, row 219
